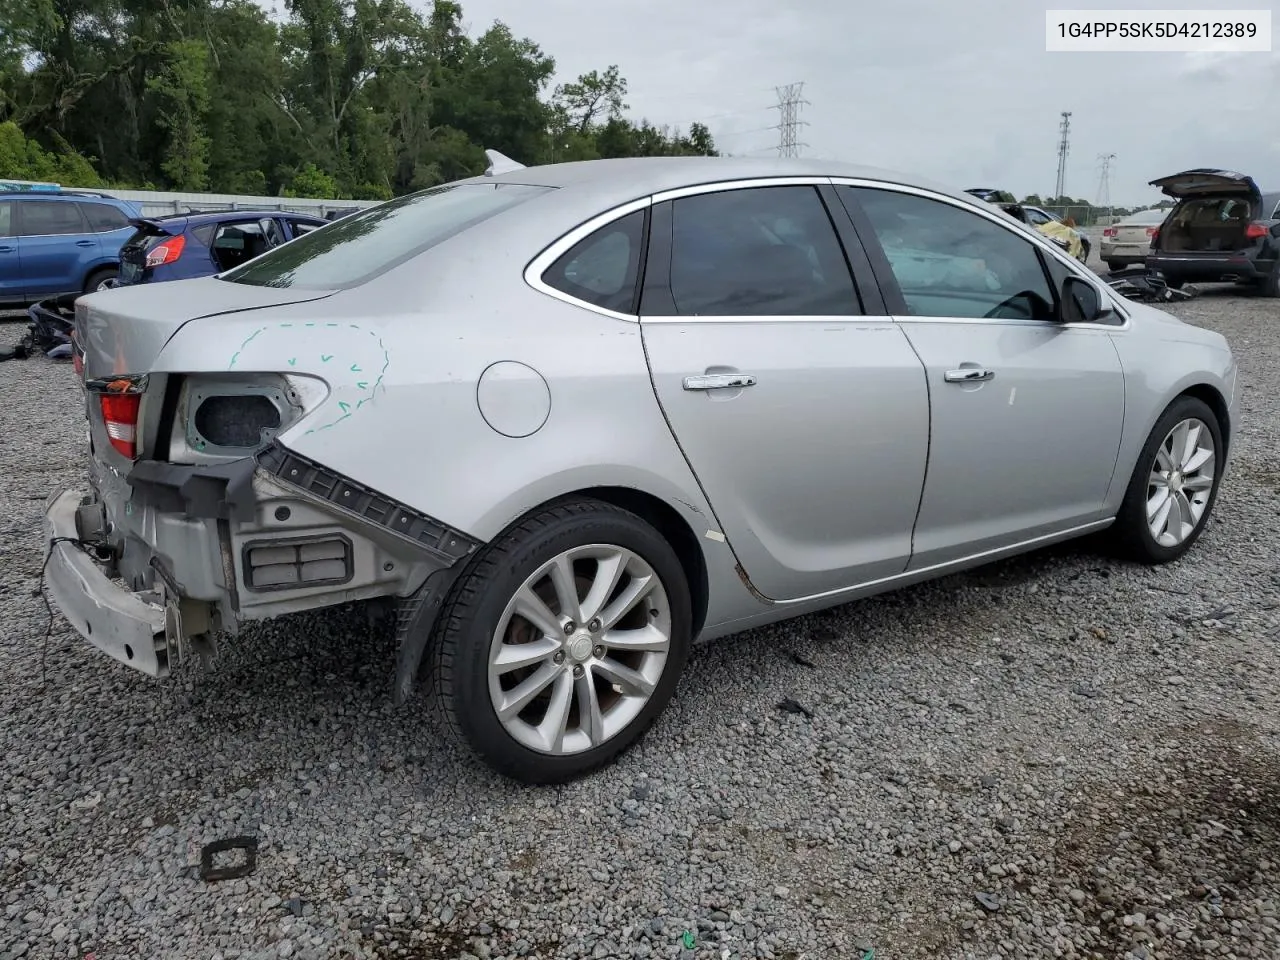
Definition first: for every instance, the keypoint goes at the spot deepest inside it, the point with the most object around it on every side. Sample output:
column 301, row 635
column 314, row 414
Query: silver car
column 567, row 420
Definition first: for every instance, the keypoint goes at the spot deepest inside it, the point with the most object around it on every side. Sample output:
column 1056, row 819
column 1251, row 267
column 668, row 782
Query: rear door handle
column 6, row 249
column 84, row 243
column 968, row 375
column 719, row 381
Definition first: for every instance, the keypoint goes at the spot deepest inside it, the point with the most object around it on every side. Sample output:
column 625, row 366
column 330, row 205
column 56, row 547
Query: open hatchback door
column 1204, row 182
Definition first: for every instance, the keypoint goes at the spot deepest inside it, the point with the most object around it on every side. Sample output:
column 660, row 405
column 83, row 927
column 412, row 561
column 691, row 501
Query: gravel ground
column 1058, row 756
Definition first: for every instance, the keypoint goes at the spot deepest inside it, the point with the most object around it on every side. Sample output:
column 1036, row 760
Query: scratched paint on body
column 351, row 359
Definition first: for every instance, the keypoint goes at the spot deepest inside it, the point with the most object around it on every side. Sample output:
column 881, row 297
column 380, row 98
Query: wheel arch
column 673, row 528
column 1212, row 397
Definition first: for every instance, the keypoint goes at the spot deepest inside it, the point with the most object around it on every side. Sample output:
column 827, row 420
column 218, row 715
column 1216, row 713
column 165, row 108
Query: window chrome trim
column 556, row 249
column 1105, row 293
column 720, row 186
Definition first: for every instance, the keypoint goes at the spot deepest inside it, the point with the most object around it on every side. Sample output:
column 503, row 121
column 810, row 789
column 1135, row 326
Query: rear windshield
column 358, row 247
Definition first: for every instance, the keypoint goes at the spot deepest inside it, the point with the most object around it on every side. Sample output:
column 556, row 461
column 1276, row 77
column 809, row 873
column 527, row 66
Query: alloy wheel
column 579, row 649
column 1181, row 482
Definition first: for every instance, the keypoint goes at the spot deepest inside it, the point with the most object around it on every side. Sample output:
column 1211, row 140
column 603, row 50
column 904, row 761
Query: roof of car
column 55, row 195
column 636, row 176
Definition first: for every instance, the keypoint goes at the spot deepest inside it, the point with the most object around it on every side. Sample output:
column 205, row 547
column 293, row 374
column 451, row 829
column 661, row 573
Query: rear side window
column 103, row 218
column 302, row 226
column 6, row 219
column 760, row 251
column 45, row 218
column 602, row 269
column 357, row 248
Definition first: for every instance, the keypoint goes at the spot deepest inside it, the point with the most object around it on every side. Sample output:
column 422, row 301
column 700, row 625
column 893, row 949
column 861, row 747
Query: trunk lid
column 1135, row 232
column 1207, row 181
column 122, row 331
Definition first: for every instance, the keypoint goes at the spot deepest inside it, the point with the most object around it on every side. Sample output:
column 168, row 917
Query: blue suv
column 182, row 246
column 60, row 242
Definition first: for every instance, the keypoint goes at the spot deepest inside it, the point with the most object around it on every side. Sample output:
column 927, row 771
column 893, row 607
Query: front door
column 804, row 419
column 1026, row 412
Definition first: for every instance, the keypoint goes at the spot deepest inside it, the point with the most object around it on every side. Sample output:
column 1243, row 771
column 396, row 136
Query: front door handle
column 84, row 243
column 968, row 375
column 718, row 381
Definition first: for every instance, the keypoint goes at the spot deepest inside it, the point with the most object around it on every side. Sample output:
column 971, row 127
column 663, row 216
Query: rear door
column 801, row 408
column 10, row 264
column 1026, row 411
column 56, row 247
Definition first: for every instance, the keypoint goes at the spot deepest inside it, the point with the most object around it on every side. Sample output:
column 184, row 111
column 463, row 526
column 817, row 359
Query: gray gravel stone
column 1012, row 732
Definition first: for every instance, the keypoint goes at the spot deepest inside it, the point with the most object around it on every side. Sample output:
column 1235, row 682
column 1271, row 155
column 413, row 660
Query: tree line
column 357, row 99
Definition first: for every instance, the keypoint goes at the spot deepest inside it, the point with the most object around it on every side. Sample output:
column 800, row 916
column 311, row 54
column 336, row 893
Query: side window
column 6, row 220
column 602, row 268
column 43, row 218
column 761, row 251
column 237, row 242
column 102, row 217
column 1037, row 218
column 950, row 262
column 302, row 226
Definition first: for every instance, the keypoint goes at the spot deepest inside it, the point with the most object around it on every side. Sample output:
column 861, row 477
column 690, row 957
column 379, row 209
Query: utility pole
column 789, row 103
column 1104, row 182
column 1063, row 146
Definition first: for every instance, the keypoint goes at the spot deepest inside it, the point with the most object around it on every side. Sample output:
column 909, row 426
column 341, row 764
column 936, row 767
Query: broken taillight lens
column 166, row 252
column 1256, row 231
column 120, row 415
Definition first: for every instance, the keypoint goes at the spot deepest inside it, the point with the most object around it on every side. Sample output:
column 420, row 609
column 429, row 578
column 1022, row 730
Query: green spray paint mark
column 344, row 406
column 355, row 368
column 362, row 384
column 688, row 940
column 326, row 357
column 293, row 361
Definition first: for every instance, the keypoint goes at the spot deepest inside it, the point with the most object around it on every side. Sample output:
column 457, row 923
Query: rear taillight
column 1256, row 231
column 1109, row 232
column 166, row 252
column 120, row 414
column 1155, row 234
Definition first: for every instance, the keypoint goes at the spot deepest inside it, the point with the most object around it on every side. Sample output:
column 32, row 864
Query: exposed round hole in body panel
column 236, row 420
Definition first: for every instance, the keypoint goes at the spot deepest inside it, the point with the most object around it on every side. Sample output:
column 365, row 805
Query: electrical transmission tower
column 789, row 104
column 1104, row 180
column 1063, row 146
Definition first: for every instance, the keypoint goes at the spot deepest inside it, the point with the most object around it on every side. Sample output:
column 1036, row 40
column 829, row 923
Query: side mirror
column 1081, row 302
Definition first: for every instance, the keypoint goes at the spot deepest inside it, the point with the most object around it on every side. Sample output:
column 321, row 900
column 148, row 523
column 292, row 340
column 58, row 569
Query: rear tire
column 1116, row 265
column 597, row 686
column 1270, row 286
column 1174, row 283
column 1179, row 469
column 98, row 278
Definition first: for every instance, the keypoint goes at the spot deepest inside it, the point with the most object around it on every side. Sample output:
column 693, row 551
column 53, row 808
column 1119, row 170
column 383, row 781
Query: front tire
column 1174, row 485
column 562, row 642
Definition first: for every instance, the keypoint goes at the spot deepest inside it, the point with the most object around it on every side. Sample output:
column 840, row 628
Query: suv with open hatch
column 1222, row 228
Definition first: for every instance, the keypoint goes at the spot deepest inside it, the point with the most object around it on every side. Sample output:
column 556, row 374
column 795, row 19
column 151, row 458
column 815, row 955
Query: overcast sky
column 963, row 93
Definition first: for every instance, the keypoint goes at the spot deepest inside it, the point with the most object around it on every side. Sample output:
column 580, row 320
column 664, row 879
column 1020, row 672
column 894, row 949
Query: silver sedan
column 562, row 422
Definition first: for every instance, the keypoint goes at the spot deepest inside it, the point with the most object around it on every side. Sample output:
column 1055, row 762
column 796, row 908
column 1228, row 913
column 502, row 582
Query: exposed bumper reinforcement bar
column 119, row 623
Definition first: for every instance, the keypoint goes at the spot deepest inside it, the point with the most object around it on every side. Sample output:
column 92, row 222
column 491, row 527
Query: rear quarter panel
column 404, row 356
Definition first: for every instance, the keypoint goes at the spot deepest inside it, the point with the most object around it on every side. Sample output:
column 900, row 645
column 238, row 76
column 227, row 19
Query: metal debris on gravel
column 1058, row 756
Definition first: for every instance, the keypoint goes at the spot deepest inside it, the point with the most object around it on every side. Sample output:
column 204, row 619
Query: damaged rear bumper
column 122, row 624
column 190, row 551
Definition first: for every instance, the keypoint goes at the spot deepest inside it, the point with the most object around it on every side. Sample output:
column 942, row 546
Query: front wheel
column 1174, row 485
column 563, row 642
